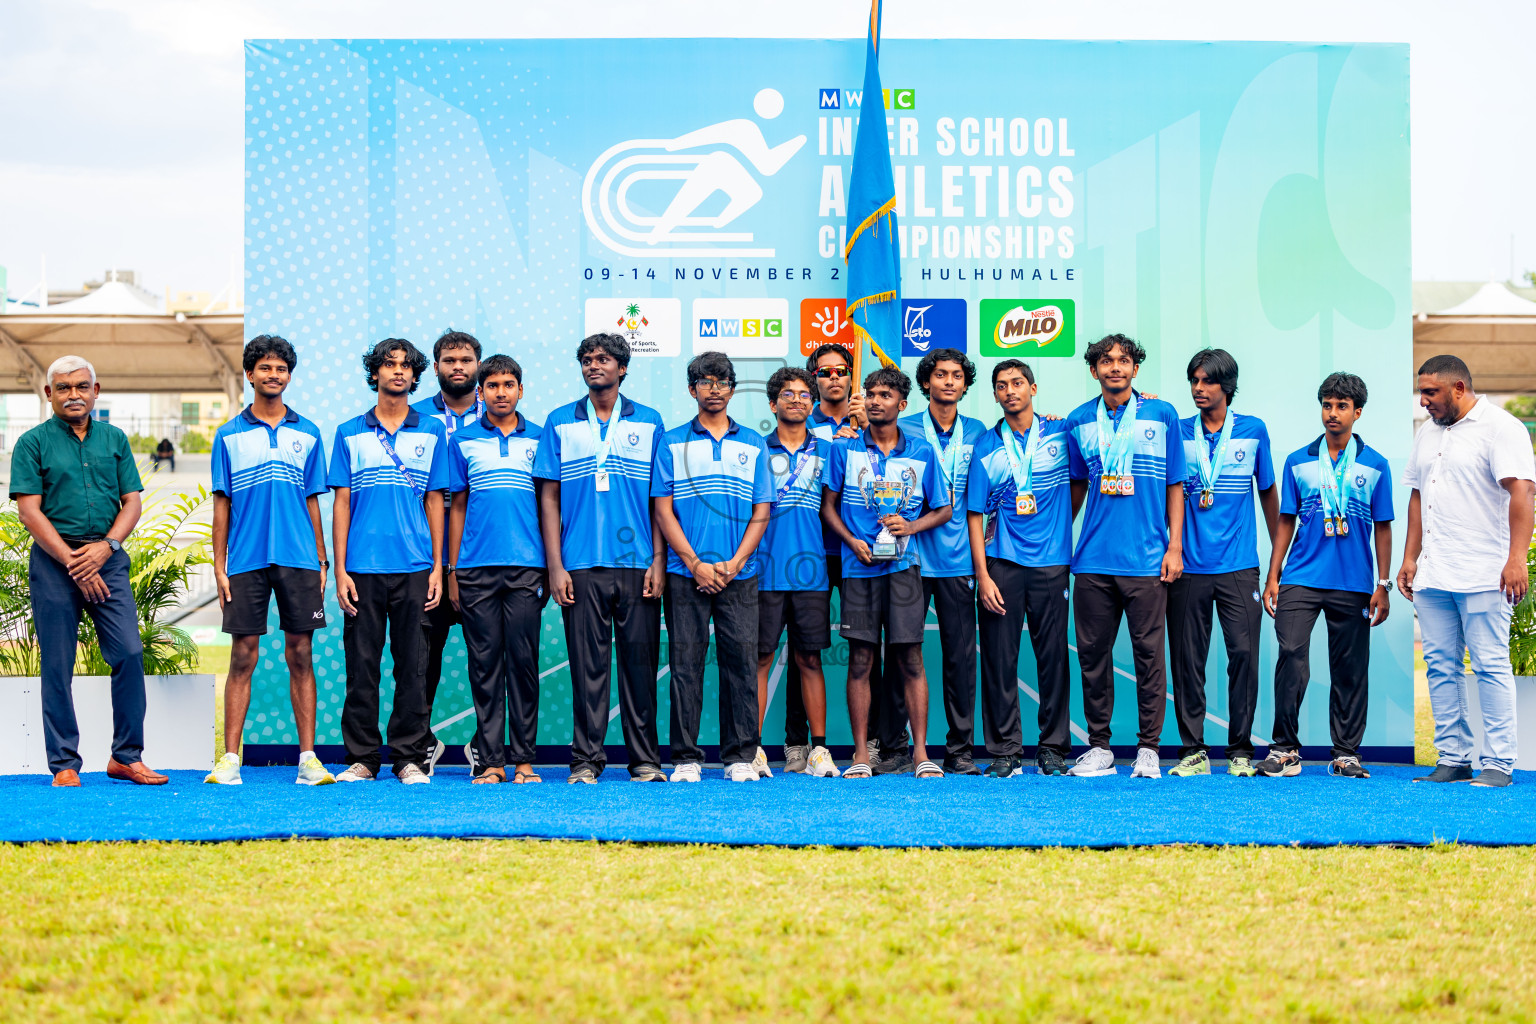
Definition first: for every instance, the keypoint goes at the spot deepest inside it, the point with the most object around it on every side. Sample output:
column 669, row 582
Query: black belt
column 76, row 542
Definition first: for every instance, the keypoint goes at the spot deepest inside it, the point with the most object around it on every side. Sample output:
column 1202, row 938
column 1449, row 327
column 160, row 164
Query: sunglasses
column 833, row 371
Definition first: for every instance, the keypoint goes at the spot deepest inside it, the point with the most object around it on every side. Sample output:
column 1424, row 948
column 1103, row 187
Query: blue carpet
column 1310, row 810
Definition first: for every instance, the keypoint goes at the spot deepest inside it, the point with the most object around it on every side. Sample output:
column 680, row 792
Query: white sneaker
column 438, row 750
column 741, row 771
column 412, row 775
column 1147, row 764
column 822, row 766
column 357, row 773
column 760, row 764
column 469, row 756
column 313, row 773
column 688, row 771
column 1093, row 762
column 227, row 771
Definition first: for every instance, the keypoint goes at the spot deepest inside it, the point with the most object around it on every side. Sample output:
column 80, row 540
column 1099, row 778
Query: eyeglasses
column 833, row 371
column 716, row 386
column 794, row 396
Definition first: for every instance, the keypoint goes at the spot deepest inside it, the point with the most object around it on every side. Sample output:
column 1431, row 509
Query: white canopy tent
column 134, row 346
column 1494, row 331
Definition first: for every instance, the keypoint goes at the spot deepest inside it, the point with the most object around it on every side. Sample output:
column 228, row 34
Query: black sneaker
column 1280, row 763
column 1004, row 767
column 961, row 764
column 1491, row 777
column 1348, row 767
column 1049, row 762
column 1448, row 773
column 897, row 763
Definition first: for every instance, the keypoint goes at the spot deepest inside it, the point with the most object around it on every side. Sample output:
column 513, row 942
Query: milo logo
column 1038, row 327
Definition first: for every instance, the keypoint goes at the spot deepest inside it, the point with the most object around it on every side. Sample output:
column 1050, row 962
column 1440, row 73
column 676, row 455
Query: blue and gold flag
column 873, row 251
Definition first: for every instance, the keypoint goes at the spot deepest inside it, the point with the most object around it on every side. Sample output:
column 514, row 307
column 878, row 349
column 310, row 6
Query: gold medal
column 1328, row 526
column 1207, row 499
column 1024, row 503
column 1109, row 484
column 1127, row 484
column 1343, row 527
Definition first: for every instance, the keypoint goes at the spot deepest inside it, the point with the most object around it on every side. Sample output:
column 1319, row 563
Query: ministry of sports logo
column 679, row 176
column 652, row 326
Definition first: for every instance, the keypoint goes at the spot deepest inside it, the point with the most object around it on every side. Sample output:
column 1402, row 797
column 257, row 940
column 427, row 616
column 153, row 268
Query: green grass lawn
column 474, row 931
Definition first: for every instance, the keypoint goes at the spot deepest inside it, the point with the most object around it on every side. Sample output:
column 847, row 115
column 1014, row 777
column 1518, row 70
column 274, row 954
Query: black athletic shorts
column 807, row 613
column 300, row 601
column 894, row 602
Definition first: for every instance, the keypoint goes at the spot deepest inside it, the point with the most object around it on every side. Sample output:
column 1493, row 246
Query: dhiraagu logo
column 1028, row 327
column 742, row 328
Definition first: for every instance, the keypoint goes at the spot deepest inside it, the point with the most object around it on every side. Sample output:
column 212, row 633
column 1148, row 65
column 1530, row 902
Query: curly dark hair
column 373, row 361
column 783, row 375
column 499, row 364
column 455, row 339
column 944, row 355
column 1101, row 348
column 1343, row 385
column 891, row 378
column 613, row 344
column 269, row 345
column 827, row 349
column 711, row 364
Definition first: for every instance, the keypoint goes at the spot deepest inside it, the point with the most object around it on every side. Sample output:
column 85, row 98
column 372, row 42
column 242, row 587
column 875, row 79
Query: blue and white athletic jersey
column 912, row 460
column 602, row 529
column 1126, row 534
column 268, row 475
column 945, row 550
column 452, row 422
column 826, row 427
column 713, row 486
column 389, row 532
column 1041, row 539
column 1335, row 563
column 1224, row 538
column 501, row 515
column 793, row 553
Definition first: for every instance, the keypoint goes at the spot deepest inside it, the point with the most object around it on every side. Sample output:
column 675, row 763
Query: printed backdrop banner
column 689, row 194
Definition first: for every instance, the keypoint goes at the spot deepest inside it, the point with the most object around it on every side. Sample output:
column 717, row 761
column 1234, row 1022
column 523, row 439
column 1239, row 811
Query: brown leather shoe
column 138, row 773
column 67, row 777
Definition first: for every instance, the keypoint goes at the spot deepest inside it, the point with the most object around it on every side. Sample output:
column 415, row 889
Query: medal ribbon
column 1210, row 462
column 949, row 459
column 1115, row 457
column 602, row 445
column 1331, row 479
column 876, row 466
column 1021, row 464
column 801, row 458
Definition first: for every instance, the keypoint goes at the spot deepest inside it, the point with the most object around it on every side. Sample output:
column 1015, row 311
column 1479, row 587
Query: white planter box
column 1525, row 721
column 178, row 723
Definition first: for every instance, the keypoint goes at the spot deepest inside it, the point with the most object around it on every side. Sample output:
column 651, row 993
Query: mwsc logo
column 837, row 99
column 679, row 176
column 742, row 328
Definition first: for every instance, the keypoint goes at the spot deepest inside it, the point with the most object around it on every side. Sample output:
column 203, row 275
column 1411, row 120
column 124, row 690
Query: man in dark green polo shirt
column 76, row 486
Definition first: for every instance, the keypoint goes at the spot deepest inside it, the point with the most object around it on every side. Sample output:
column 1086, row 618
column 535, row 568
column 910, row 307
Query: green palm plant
column 1522, row 625
column 159, row 573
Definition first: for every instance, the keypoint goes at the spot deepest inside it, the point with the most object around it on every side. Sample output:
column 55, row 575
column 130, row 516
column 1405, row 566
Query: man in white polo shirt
column 1469, row 527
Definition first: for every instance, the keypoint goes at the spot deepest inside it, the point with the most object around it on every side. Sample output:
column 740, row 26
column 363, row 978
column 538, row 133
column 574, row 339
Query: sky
column 123, row 120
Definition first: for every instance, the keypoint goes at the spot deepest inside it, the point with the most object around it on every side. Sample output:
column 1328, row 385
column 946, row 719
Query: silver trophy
column 888, row 497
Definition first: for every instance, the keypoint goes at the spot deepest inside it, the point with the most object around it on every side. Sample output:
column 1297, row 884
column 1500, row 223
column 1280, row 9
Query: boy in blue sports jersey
column 496, row 571
column 944, row 376
column 1019, row 503
column 388, row 469
column 607, row 565
column 794, row 588
column 1228, row 458
column 883, row 488
column 713, row 490
column 1335, row 514
column 1126, row 460
column 456, row 361
column 268, row 475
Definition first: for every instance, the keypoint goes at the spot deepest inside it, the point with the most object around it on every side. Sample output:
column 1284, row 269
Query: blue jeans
column 1450, row 624
column 56, row 607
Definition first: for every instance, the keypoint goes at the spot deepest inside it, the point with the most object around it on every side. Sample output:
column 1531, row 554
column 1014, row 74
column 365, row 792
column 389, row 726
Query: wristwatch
column 1385, row 583
column 324, row 564
column 114, row 545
